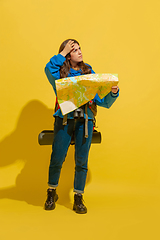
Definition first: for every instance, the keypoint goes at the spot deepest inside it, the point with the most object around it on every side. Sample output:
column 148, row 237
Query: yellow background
column 123, row 186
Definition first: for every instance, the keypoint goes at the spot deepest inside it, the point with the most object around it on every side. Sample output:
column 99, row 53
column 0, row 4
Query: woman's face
column 76, row 54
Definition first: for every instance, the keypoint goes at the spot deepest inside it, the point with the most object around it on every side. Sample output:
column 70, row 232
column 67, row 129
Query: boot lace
column 79, row 201
column 50, row 196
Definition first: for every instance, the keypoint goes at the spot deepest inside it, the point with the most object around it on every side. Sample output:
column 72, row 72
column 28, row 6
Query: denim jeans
column 61, row 142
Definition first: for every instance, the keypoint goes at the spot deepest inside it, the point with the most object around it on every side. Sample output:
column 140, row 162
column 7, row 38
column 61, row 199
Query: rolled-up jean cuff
column 78, row 191
column 50, row 185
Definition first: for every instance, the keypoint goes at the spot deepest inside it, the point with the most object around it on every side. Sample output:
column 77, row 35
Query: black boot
column 51, row 199
column 78, row 206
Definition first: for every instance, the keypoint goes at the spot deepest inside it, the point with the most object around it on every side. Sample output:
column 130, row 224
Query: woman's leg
column 82, row 146
column 61, row 142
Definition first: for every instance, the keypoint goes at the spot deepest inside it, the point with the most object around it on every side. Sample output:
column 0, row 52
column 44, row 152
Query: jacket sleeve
column 52, row 69
column 107, row 101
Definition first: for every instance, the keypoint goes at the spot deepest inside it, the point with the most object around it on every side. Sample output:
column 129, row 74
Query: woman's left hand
column 115, row 89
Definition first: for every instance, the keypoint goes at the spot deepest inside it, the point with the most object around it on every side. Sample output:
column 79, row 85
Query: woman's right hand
column 68, row 48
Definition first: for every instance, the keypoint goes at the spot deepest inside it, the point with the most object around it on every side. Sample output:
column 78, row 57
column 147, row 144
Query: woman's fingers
column 69, row 46
column 115, row 89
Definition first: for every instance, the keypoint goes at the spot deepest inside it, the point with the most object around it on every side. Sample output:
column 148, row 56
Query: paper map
column 73, row 92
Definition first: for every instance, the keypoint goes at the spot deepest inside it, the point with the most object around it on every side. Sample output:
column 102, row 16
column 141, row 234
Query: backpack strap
column 93, row 107
column 56, row 105
column 86, row 122
column 65, row 119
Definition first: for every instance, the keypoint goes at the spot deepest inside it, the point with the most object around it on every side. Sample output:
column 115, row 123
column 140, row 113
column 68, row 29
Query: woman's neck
column 74, row 65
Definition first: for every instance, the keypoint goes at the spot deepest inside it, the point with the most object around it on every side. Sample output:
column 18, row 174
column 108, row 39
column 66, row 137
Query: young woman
column 69, row 63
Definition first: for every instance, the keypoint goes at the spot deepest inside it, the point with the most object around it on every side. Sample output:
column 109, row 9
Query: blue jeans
column 61, row 142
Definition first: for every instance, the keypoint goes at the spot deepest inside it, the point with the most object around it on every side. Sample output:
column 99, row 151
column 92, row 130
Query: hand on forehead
column 75, row 47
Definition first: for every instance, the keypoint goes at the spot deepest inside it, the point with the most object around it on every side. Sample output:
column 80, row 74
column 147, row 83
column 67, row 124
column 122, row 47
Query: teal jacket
column 52, row 71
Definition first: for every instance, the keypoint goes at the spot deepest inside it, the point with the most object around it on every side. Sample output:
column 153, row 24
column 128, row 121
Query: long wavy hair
column 65, row 69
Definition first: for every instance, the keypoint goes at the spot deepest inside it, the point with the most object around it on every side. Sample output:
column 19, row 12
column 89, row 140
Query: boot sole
column 74, row 209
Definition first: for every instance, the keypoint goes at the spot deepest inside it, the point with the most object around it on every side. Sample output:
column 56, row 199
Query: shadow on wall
column 31, row 183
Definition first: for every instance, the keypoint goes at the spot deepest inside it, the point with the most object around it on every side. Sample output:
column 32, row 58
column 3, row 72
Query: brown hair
column 65, row 68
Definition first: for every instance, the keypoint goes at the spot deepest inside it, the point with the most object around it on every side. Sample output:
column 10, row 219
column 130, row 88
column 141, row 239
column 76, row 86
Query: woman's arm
column 108, row 100
column 52, row 69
